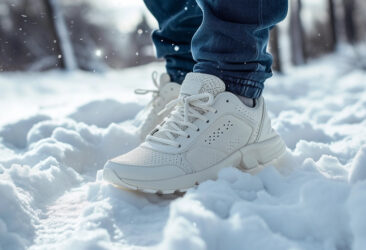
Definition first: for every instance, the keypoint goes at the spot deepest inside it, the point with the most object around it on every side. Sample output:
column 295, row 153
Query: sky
column 126, row 14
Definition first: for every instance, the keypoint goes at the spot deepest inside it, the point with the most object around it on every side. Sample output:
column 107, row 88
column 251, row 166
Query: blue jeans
column 226, row 38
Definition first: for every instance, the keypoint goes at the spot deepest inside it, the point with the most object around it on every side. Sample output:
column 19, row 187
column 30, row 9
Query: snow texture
column 57, row 130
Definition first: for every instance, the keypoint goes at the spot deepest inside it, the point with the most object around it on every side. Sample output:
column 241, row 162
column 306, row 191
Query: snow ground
column 57, row 130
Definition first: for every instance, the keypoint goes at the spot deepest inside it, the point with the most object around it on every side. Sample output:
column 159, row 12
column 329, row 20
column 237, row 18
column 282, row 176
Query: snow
column 58, row 129
column 358, row 169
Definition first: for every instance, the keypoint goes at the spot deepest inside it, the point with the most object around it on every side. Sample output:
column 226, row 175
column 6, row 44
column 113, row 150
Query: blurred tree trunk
column 275, row 49
column 333, row 25
column 349, row 19
column 297, row 35
column 58, row 28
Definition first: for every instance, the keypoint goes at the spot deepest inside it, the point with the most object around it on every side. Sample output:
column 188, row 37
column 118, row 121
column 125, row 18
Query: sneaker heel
column 262, row 153
column 248, row 162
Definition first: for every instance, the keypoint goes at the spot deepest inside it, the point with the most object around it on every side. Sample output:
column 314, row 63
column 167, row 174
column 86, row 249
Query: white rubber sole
column 250, row 158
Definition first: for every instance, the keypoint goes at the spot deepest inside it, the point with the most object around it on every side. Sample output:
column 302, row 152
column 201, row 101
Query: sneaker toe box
column 141, row 173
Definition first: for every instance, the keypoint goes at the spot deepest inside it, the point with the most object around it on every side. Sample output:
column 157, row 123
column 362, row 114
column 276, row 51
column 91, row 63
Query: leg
column 210, row 128
column 232, row 40
column 178, row 21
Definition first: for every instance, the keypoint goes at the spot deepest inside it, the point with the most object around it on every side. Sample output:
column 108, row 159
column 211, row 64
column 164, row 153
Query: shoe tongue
column 198, row 83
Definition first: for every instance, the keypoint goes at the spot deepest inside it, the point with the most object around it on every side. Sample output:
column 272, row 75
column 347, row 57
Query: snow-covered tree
column 59, row 30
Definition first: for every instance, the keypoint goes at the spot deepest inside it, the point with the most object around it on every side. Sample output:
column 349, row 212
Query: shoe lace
column 154, row 77
column 187, row 110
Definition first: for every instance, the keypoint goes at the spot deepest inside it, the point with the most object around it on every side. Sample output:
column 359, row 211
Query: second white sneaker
column 209, row 129
column 152, row 114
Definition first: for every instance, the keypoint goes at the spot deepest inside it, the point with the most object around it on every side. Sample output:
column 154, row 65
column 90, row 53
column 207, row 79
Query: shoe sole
column 251, row 159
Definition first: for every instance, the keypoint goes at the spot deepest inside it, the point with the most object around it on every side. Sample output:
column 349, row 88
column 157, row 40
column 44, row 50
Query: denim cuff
column 176, row 75
column 243, row 87
column 239, row 85
column 177, row 66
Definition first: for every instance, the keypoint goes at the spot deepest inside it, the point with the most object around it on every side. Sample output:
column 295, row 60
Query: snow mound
column 15, row 134
column 358, row 171
column 104, row 112
column 261, row 212
column 53, row 197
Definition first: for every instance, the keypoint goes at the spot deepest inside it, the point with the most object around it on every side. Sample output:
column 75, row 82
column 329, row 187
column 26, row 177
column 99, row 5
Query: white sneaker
column 151, row 115
column 209, row 129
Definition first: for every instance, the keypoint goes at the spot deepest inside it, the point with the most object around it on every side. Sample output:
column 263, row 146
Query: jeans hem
column 176, row 75
column 244, row 87
column 240, row 86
